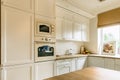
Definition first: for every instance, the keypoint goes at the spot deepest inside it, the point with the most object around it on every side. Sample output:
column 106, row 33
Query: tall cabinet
column 44, row 13
column 17, row 26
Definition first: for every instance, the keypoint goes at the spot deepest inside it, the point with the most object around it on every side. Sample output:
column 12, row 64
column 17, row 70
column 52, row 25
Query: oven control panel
column 45, row 39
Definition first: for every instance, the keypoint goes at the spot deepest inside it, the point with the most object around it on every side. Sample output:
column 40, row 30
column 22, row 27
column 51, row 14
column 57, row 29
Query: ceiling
column 94, row 6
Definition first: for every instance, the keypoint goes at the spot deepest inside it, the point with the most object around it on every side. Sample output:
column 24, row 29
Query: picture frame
column 109, row 48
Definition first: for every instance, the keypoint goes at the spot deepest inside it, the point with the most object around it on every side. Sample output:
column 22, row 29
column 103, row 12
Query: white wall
column 62, row 46
column 92, row 44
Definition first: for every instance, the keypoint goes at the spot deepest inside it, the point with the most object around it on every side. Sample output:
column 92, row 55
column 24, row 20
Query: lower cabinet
column 63, row 66
column 109, row 63
column 20, row 72
column 117, row 64
column 96, row 62
column 81, row 63
column 68, row 65
column 44, row 70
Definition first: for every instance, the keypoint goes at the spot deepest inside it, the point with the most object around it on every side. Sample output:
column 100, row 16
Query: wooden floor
column 91, row 73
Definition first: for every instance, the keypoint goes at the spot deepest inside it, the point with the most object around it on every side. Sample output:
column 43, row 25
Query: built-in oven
column 44, row 29
column 44, row 49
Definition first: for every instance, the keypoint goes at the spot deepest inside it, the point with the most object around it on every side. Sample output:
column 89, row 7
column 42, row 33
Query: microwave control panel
column 45, row 39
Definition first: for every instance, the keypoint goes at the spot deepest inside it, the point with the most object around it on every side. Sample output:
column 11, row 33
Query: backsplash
column 63, row 46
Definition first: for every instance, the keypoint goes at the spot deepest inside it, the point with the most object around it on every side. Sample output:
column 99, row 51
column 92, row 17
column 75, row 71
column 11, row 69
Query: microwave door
column 44, row 28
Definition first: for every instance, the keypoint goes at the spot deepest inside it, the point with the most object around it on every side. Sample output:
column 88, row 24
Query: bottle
column 82, row 49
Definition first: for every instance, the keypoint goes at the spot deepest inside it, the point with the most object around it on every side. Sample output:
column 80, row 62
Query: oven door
column 44, row 51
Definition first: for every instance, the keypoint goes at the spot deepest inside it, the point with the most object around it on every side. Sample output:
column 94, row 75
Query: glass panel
column 43, row 28
column 45, row 51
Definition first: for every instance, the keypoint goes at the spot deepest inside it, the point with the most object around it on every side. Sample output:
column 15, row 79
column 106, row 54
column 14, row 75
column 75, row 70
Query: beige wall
column 62, row 46
column 92, row 44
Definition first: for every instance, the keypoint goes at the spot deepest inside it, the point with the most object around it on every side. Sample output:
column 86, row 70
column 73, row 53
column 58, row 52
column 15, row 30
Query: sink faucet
column 69, row 52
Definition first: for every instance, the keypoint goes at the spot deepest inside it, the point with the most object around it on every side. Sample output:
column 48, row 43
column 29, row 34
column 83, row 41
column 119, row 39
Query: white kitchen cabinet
column 77, row 33
column 17, row 36
column 81, row 63
column 59, row 28
column 96, row 62
column 44, row 70
column 26, row 5
column 45, row 8
column 63, row 69
column 59, row 12
column 19, row 72
column 85, row 31
column 67, row 29
column 71, row 26
column 63, row 66
column 73, row 64
column 117, row 64
column 109, row 63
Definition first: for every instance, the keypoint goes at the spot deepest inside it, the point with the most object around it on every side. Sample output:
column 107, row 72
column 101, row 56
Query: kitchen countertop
column 85, row 55
column 69, row 56
column 90, row 73
column 107, row 56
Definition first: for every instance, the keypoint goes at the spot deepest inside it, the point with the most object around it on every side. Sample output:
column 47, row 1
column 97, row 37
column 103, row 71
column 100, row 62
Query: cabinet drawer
column 63, row 62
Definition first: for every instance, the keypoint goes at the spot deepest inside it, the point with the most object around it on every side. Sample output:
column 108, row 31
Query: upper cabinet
column 71, row 26
column 17, row 36
column 45, row 8
column 26, row 5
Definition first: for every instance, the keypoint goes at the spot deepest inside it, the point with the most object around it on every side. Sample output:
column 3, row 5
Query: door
column 27, row 5
column 45, row 7
column 24, row 72
column 81, row 63
column 63, row 69
column 109, row 63
column 44, row 70
column 59, row 28
column 17, row 36
column 85, row 32
column 67, row 30
column 77, row 33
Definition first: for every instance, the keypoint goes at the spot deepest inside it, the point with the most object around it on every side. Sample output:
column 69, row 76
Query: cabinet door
column 85, row 32
column 45, row 7
column 44, row 70
column 68, row 30
column 96, row 61
column 109, row 63
column 73, row 62
column 81, row 63
column 77, row 32
column 59, row 12
column 27, row 5
column 24, row 72
column 117, row 64
column 17, row 36
column 63, row 69
column 59, row 28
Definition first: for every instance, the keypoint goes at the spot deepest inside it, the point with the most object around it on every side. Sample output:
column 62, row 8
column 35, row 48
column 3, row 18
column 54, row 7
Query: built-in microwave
column 44, row 29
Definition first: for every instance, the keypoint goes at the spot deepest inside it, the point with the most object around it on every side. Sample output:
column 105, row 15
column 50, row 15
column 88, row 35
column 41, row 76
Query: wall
column 62, row 46
column 92, row 44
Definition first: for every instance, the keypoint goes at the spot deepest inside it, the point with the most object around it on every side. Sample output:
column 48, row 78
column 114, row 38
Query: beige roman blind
column 109, row 17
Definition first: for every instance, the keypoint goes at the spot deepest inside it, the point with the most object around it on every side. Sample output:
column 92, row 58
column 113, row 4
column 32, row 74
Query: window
column 106, row 36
